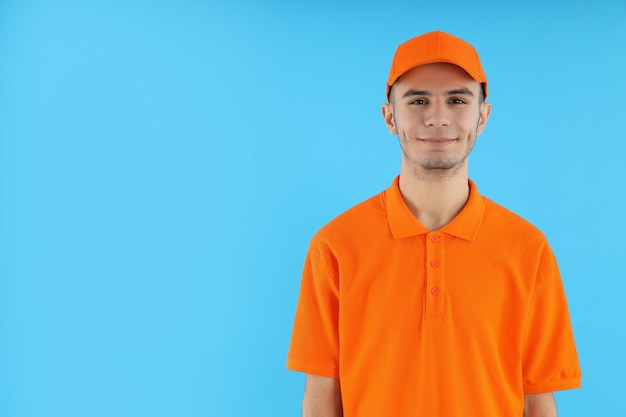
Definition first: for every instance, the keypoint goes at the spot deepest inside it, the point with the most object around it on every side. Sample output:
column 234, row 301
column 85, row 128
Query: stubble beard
column 435, row 168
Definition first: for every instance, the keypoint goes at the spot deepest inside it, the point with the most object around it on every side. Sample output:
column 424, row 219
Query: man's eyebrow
column 411, row 93
column 455, row 92
column 460, row 91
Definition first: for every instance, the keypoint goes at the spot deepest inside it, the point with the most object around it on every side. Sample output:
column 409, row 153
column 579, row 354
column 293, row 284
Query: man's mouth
column 437, row 141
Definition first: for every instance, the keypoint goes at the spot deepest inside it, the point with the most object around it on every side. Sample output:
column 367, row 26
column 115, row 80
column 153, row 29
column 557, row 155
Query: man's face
column 437, row 113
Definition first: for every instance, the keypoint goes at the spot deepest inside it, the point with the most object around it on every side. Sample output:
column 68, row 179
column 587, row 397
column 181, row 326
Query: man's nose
column 437, row 115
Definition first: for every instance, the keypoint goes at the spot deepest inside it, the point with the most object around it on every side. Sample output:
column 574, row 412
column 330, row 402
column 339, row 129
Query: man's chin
column 438, row 165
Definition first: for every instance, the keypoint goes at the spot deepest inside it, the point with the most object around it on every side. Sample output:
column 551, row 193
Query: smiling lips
column 436, row 141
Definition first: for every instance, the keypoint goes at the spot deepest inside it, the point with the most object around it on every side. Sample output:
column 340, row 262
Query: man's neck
column 435, row 202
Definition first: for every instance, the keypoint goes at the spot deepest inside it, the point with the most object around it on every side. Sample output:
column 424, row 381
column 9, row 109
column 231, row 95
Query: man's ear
column 485, row 111
column 389, row 120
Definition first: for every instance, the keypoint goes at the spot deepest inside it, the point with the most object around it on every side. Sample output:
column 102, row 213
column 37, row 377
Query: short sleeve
column 550, row 362
column 314, row 345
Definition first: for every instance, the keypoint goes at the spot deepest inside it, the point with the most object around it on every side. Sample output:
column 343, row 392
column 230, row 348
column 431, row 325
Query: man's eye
column 419, row 101
column 457, row 101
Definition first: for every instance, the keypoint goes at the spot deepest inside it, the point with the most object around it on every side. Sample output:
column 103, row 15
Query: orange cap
column 433, row 47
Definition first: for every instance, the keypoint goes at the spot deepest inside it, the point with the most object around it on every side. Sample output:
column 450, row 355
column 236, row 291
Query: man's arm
column 322, row 397
column 539, row 405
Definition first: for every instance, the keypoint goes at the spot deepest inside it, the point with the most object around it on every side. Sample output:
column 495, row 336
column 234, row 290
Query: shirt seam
column 325, row 267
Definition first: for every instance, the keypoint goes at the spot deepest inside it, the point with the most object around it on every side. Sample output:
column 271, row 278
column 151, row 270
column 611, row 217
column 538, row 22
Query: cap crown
column 434, row 47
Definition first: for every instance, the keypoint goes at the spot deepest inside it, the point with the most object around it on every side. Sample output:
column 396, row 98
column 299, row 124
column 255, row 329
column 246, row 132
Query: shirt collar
column 403, row 224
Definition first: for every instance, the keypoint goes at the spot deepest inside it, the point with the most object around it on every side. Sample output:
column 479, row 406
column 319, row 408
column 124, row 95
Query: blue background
column 163, row 165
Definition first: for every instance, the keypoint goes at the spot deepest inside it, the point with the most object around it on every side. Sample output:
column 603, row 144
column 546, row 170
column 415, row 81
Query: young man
column 429, row 299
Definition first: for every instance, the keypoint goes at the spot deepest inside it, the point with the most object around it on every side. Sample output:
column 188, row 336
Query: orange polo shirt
column 462, row 321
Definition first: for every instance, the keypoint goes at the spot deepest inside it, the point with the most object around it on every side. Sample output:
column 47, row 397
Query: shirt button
column 434, row 291
column 435, row 238
column 434, row 263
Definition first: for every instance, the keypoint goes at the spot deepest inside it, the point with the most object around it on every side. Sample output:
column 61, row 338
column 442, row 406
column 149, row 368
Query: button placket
column 435, row 300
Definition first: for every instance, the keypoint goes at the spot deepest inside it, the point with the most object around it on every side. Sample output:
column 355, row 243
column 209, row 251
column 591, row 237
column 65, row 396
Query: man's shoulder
column 362, row 218
column 504, row 220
